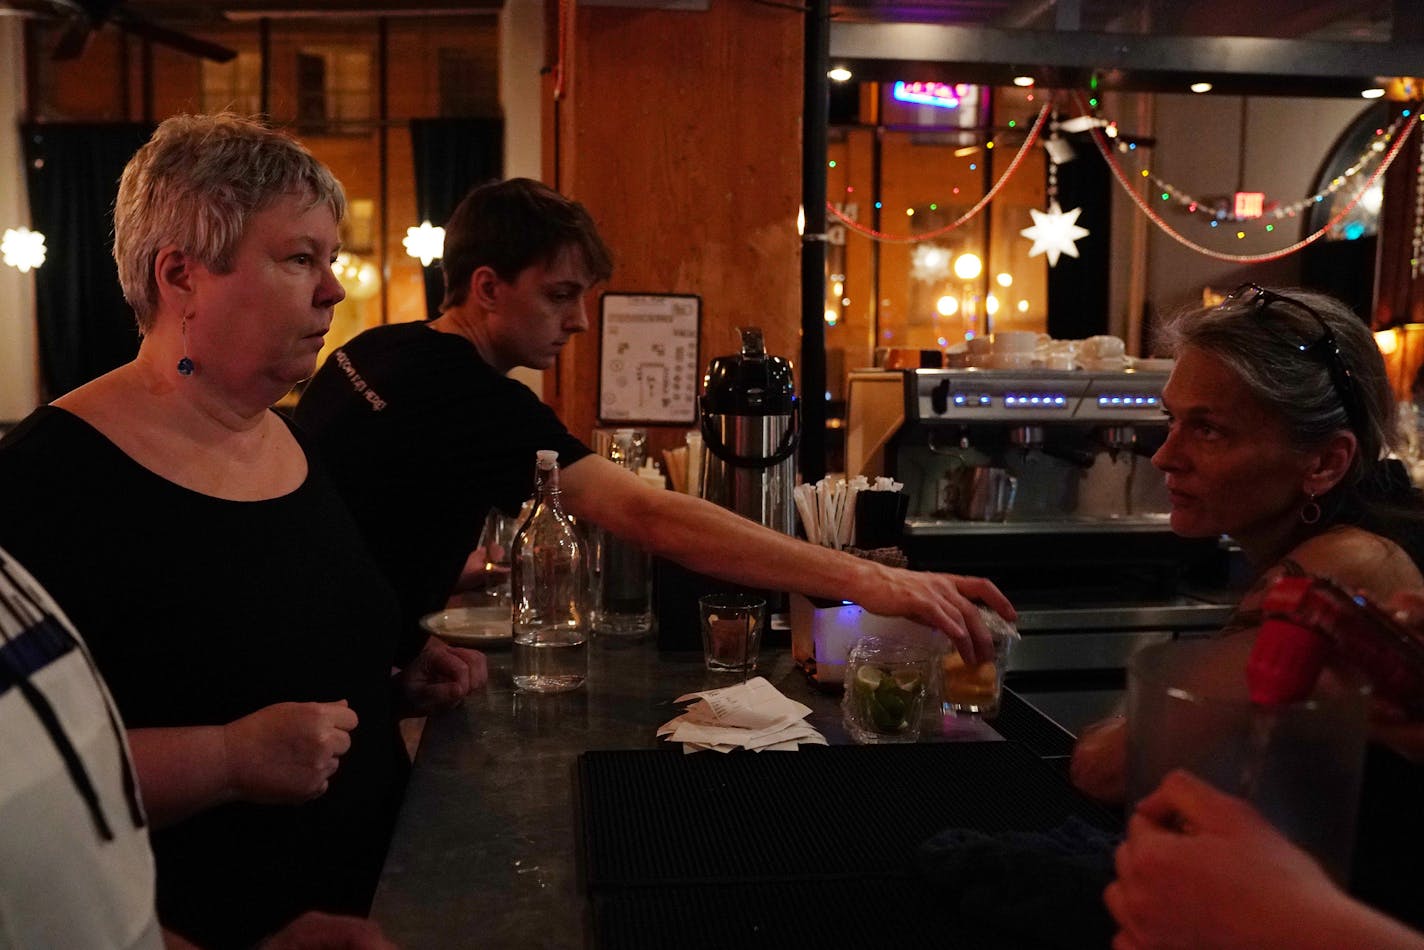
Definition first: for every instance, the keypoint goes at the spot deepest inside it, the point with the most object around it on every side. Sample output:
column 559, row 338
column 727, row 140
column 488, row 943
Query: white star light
column 424, row 242
column 929, row 263
column 1054, row 232
column 23, row 249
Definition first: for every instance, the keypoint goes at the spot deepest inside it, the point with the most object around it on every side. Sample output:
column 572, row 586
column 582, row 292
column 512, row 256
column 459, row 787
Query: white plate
column 1154, row 365
column 1011, row 360
column 1109, row 364
column 470, row 626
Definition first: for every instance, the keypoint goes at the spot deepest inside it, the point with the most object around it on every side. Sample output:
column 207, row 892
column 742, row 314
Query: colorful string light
column 1386, row 144
column 887, row 238
column 1417, row 248
column 1170, row 192
column 1123, row 179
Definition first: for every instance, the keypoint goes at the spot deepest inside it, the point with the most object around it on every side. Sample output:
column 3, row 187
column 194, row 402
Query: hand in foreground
column 1388, row 723
column 1098, row 768
column 440, row 677
column 1390, row 726
column 944, row 602
column 286, row 753
column 317, row 931
column 477, row 573
column 1407, row 606
column 1202, row 869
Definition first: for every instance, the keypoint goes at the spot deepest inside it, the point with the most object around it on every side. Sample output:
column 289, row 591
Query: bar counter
column 485, row 851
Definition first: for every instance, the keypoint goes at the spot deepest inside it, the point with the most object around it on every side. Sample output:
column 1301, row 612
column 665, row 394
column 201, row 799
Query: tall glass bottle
column 549, row 584
column 623, row 588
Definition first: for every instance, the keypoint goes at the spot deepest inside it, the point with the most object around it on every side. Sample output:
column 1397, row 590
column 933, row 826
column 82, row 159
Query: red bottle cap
column 1287, row 657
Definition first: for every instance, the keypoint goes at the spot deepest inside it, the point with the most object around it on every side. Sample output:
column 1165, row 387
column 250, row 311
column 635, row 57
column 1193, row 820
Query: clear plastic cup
column 976, row 690
column 1299, row 763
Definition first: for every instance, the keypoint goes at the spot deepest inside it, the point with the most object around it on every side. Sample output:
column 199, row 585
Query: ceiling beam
column 1281, row 18
column 1126, row 60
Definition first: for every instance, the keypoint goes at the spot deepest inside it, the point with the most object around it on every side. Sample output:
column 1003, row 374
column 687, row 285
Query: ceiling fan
column 87, row 17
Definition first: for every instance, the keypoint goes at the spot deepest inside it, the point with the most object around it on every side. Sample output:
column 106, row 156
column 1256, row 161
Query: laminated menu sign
column 648, row 359
column 751, row 715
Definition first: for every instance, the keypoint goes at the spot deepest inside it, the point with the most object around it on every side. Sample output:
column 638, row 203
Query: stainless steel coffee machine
column 1042, row 481
column 750, row 421
column 1074, row 443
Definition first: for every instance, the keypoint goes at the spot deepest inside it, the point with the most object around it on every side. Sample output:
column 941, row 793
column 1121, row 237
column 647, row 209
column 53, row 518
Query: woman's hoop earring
column 1310, row 511
column 185, row 365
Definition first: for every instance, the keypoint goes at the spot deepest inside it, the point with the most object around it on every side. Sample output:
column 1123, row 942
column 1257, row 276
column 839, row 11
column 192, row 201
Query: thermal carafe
column 750, row 430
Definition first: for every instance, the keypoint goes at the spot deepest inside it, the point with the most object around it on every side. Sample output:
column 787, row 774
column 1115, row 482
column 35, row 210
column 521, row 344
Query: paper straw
column 694, row 463
column 801, row 495
column 847, row 527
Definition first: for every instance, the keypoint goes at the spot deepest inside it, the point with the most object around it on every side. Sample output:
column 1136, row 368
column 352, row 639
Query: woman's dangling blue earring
column 185, row 365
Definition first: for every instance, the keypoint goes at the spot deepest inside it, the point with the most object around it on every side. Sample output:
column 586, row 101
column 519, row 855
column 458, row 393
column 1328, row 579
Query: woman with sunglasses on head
column 1280, row 417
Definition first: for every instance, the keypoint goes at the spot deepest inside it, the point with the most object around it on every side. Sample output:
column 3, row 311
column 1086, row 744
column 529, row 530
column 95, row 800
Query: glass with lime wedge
column 886, row 681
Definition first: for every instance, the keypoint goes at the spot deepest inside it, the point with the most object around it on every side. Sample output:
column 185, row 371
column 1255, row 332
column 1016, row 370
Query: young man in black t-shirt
column 424, row 432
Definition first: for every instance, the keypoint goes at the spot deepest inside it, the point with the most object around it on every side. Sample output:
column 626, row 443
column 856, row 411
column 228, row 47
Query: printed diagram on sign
column 648, row 368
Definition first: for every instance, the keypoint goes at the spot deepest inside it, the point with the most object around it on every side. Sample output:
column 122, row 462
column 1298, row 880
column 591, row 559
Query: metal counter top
column 926, row 527
column 1169, row 613
column 485, row 850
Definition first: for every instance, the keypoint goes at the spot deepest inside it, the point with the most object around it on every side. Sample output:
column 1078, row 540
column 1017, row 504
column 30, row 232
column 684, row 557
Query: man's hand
column 317, row 931
column 440, row 677
column 1098, row 768
column 484, row 568
column 1389, row 724
column 1202, row 869
column 286, row 753
column 942, row 601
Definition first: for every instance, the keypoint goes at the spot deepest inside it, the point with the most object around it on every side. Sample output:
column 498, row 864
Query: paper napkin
column 751, row 715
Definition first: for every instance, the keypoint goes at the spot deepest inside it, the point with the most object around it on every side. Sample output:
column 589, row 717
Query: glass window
column 333, row 90
column 912, row 174
column 233, row 86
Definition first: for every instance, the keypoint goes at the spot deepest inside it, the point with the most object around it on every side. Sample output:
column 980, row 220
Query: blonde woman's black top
column 198, row 611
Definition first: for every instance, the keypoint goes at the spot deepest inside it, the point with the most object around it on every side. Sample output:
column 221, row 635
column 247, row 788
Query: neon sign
column 939, row 94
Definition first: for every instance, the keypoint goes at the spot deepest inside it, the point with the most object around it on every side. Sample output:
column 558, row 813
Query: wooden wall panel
column 681, row 134
column 71, row 94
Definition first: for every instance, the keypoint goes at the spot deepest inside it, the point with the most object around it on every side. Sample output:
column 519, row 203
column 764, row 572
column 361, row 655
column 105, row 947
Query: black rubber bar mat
column 1021, row 722
column 650, row 819
column 873, row 912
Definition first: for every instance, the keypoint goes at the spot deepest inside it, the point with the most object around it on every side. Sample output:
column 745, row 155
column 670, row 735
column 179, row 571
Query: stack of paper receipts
column 751, row 715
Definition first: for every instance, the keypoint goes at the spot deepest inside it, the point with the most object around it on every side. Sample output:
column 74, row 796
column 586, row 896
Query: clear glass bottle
column 549, row 584
column 624, row 585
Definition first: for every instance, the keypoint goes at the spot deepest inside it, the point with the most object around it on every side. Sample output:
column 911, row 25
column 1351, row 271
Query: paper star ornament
column 424, row 242
column 1054, row 232
column 23, row 249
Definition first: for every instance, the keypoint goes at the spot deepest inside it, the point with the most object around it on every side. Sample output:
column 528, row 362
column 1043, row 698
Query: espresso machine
column 1042, row 481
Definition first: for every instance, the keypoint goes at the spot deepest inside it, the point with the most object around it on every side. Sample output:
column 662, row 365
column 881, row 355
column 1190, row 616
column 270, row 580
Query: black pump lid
column 750, row 383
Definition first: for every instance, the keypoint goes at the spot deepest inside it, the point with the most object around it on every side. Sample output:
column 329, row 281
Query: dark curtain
column 1342, row 269
column 1078, row 286
column 451, row 157
column 85, row 326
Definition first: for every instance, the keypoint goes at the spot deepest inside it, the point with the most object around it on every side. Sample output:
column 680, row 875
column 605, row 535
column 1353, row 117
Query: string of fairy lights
column 888, row 238
column 1387, row 158
column 1218, row 212
column 1361, row 174
column 1418, row 243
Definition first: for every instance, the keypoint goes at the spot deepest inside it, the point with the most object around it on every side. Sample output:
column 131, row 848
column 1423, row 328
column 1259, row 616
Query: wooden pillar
column 680, row 131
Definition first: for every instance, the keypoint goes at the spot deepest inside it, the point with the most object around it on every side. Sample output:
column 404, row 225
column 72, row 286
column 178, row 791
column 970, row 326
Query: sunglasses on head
column 1324, row 350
